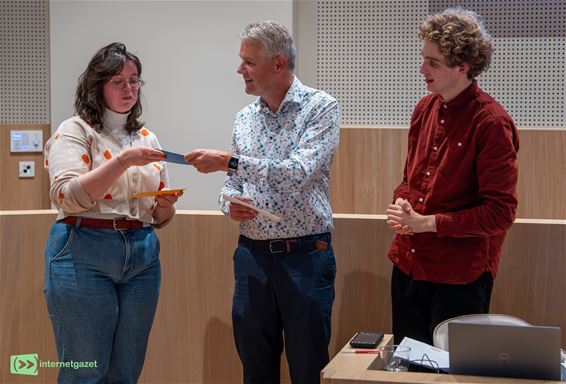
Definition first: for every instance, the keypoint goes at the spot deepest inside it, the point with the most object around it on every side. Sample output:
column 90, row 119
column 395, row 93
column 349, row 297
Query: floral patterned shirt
column 284, row 163
column 76, row 148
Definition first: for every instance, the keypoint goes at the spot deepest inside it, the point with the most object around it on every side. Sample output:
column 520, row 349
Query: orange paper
column 156, row 193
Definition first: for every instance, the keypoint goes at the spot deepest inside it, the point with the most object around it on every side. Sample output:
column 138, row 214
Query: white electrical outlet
column 27, row 168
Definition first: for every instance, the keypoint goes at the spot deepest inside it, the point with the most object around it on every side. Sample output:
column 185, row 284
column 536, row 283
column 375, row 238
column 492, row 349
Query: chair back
column 440, row 334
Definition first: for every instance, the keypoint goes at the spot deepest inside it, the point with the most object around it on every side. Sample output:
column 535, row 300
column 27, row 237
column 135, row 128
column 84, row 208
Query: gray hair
column 274, row 38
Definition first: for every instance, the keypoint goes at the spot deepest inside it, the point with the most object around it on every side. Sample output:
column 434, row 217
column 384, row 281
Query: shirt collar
column 293, row 96
column 463, row 97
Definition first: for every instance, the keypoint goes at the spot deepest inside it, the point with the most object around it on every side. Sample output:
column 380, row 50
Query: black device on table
column 366, row 339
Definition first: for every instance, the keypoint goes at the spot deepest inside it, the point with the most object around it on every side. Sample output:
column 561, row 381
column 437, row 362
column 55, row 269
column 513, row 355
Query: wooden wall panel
column 531, row 282
column 191, row 341
column 369, row 165
column 25, row 327
column 542, row 165
column 363, row 276
column 16, row 192
column 193, row 325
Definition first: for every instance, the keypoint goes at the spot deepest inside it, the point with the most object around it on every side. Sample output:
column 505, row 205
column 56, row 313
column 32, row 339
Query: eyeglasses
column 119, row 83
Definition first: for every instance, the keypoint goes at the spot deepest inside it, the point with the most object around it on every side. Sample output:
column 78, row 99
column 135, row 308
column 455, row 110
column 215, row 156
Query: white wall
column 189, row 52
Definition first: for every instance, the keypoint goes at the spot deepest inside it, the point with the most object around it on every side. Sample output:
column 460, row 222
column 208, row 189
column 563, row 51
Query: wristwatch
column 233, row 165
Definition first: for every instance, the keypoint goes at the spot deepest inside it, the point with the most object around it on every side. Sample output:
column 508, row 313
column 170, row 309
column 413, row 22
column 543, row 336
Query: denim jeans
column 283, row 296
column 101, row 287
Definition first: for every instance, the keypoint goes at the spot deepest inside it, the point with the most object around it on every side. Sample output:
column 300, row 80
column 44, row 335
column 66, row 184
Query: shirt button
column 441, row 121
column 435, row 148
column 133, row 211
column 413, row 250
column 421, row 199
column 445, row 106
column 428, row 173
column 459, row 144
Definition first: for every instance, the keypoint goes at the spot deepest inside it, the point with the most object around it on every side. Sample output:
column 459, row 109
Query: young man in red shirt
column 458, row 196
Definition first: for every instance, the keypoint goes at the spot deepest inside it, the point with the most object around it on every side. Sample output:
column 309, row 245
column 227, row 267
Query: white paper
column 258, row 210
column 419, row 349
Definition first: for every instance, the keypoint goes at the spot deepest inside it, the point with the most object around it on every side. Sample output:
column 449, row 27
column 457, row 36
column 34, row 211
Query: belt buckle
column 114, row 224
column 287, row 245
column 276, row 241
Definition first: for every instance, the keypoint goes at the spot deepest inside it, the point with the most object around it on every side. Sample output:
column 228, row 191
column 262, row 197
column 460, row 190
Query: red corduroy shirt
column 461, row 166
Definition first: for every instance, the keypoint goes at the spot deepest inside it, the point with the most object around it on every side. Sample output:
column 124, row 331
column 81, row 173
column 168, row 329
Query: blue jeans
column 101, row 288
column 283, row 296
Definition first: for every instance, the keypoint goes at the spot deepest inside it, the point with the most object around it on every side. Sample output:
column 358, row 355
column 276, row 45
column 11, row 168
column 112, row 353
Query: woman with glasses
column 102, row 269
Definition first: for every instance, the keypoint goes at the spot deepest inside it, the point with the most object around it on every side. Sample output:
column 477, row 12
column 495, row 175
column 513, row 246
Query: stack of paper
column 426, row 355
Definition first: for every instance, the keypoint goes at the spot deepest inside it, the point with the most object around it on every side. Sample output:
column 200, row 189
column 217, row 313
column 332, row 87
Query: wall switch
column 27, row 168
column 26, row 141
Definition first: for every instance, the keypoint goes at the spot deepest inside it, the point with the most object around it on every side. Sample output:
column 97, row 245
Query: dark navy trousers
column 283, row 299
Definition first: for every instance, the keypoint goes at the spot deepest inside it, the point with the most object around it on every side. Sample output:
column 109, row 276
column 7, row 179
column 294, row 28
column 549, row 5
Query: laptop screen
column 504, row 350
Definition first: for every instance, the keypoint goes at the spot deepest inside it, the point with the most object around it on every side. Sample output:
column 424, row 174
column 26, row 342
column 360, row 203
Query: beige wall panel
column 191, row 341
column 369, row 165
column 192, row 337
column 24, row 323
column 362, row 281
column 542, row 165
column 531, row 282
column 16, row 192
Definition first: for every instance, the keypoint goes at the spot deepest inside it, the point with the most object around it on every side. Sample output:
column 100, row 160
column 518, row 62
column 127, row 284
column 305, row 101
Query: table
column 351, row 368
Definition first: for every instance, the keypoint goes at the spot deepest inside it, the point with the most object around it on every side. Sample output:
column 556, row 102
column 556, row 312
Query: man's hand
column 402, row 218
column 239, row 212
column 208, row 160
column 401, row 206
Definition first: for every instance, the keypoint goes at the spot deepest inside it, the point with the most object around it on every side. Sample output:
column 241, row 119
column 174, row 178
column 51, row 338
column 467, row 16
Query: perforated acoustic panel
column 24, row 61
column 369, row 58
column 528, row 70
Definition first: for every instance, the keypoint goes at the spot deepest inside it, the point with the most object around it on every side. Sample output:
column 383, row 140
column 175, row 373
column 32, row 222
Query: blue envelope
column 173, row 157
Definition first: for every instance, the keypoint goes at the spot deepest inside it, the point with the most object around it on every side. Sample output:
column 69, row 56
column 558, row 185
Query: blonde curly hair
column 461, row 37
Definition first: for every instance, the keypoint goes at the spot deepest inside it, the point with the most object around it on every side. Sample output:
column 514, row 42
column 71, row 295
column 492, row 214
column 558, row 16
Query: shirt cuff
column 79, row 194
column 444, row 225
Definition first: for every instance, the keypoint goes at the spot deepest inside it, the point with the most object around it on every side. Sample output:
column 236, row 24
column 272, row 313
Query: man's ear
column 464, row 68
column 280, row 63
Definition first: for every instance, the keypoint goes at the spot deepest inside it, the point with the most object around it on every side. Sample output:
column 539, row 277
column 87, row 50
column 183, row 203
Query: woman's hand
column 139, row 156
column 165, row 201
column 164, row 207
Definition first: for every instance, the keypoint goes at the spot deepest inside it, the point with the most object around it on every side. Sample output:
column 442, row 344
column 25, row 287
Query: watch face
column 233, row 163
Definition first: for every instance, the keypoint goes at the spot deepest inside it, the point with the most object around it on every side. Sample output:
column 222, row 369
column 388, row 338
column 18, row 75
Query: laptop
column 529, row 352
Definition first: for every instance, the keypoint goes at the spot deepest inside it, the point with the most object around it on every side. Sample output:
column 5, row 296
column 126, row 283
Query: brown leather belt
column 116, row 224
column 297, row 244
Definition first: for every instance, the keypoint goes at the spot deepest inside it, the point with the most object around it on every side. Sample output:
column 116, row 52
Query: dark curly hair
column 461, row 37
column 89, row 98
